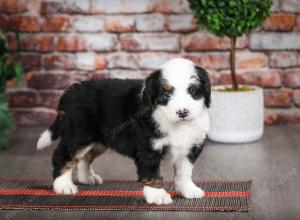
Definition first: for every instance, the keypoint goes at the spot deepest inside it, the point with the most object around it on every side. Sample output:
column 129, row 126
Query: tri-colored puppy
column 164, row 116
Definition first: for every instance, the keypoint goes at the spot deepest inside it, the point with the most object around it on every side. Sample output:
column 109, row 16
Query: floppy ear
column 205, row 84
column 151, row 87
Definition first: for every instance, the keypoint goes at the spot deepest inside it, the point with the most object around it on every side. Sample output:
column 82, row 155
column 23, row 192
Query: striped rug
column 37, row 194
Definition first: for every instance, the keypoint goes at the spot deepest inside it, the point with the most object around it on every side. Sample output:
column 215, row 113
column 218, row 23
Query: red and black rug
column 37, row 194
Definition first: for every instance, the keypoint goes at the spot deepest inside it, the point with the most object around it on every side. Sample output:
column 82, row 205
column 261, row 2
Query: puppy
column 146, row 120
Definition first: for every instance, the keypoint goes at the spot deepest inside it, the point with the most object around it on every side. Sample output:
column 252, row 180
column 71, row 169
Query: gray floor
column 272, row 164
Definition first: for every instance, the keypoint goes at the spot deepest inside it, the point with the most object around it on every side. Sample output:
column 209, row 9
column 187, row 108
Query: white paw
column 190, row 191
column 65, row 187
column 156, row 196
column 91, row 179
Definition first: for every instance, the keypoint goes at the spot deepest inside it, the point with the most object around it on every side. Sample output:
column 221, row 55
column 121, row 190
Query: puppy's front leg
column 183, row 179
column 153, row 191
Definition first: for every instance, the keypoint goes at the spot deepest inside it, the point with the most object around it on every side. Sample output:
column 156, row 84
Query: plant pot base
column 234, row 137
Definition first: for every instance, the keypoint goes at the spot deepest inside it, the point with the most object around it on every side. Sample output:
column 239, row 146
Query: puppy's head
column 178, row 90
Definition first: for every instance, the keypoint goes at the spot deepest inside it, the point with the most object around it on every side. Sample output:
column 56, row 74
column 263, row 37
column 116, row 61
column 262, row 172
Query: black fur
column 195, row 152
column 205, row 88
column 117, row 114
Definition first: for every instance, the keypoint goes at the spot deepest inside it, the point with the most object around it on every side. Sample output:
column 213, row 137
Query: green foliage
column 10, row 68
column 231, row 18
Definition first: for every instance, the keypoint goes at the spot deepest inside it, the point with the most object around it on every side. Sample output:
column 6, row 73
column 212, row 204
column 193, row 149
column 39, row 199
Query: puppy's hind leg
column 85, row 171
column 63, row 163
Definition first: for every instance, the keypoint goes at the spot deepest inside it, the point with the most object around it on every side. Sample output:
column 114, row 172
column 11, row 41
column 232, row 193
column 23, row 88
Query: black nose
column 183, row 113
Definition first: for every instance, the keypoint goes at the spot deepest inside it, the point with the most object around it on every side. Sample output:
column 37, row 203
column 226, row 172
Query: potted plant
column 237, row 111
column 10, row 69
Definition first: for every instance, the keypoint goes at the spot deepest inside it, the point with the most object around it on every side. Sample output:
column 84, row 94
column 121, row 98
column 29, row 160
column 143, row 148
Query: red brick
column 100, row 63
column 56, row 23
column 70, row 43
column 90, row 61
column 30, row 61
column 121, row 6
column 88, row 24
column 25, row 23
column 53, row 80
column 23, row 98
column 292, row 78
column 128, row 74
column 40, row 43
column 248, row 78
column 66, row 6
column 122, row 61
column 150, row 22
column 12, row 43
column 210, row 60
column 3, row 22
column 61, row 61
column 19, row 6
column 290, row 5
column 278, row 98
column 202, row 41
column 155, row 42
column 99, row 42
column 181, row 23
column 151, row 60
column 246, row 59
column 242, row 42
column 297, row 28
column 120, row 24
column 49, row 7
column 268, row 78
column 279, row 22
column 296, row 97
column 277, row 117
column 36, row 116
column 274, row 41
column 172, row 6
column 283, row 59
column 49, row 98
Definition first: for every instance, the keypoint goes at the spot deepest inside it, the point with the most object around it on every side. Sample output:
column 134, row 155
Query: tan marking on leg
column 155, row 183
column 96, row 150
column 78, row 156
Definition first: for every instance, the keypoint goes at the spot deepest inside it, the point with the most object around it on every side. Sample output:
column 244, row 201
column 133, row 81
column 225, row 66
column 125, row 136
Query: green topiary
column 10, row 68
column 231, row 18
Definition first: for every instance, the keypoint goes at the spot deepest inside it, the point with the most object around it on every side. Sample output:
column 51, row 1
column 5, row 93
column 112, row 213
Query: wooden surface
column 272, row 163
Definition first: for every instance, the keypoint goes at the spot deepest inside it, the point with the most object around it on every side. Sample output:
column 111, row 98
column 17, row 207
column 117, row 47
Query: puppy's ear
column 151, row 87
column 205, row 84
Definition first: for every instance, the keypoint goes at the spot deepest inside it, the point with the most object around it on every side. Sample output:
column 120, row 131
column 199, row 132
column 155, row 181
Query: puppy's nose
column 182, row 113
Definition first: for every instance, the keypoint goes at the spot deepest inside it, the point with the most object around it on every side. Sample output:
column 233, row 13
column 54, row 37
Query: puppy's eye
column 167, row 94
column 192, row 90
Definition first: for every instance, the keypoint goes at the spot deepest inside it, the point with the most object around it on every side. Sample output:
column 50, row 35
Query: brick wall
column 69, row 40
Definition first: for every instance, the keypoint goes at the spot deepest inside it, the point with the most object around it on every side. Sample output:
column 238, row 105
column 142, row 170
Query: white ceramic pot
column 236, row 117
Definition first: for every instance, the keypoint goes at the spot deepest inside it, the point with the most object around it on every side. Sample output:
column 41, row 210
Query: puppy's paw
column 65, row 187
column 92, row 179
column 190, row 191
column 156, row 196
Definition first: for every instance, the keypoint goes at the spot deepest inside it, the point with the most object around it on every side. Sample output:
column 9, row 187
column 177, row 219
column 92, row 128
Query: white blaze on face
column 180, row 74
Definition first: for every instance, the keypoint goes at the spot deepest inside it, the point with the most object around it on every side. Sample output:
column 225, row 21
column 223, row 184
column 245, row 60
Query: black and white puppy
column 164, row 116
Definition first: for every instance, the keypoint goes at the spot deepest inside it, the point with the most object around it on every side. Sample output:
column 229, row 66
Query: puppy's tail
column 50, row 135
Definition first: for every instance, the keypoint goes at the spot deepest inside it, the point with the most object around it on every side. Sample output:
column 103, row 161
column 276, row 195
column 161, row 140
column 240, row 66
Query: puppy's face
column 178, row 90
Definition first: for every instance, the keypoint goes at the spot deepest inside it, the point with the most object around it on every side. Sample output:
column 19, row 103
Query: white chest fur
column 181, row 137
